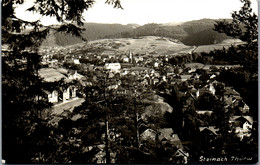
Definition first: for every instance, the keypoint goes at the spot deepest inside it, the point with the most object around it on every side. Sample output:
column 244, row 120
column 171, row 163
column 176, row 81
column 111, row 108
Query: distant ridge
column 197, row 32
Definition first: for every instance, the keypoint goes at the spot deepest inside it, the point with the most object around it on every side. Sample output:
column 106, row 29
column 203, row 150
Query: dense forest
column 93, row 31
column 198, row 32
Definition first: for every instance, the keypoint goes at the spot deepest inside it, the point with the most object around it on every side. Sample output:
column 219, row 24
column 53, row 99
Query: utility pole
column 137, row 131
column 137, row 119
column 106, row 124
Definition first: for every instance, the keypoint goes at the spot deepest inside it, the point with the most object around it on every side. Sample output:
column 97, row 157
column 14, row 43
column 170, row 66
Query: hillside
column 144, row 45
column 193, row 33
column 224, row 44
column 93, row 31
column 198, row 32
column 201, row 33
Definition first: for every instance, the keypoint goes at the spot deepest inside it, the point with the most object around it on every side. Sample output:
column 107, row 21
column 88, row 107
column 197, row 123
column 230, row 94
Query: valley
column 168, row 88
column 197, row 32
column 179, row 88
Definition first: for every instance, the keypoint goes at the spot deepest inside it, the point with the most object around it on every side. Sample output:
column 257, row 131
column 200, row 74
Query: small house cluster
column 62, row 91
column 195, row 84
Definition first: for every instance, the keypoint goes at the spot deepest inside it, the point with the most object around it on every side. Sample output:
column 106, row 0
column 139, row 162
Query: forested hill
column 93, row 31
column 201, row 32
column 198, row 32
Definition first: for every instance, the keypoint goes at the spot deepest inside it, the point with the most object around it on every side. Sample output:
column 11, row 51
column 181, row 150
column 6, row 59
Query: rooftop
column 51, row 74
column 210, row 128
column 243, row 118
column 230, row 91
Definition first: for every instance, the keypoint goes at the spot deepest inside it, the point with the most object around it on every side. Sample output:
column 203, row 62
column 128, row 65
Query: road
column 67, row 105
column 59, row 110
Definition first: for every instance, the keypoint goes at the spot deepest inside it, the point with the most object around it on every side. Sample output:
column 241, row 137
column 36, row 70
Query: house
column 121, row 90
column 108, row 53
column 124, row 72
column 138, row 59
column 75, row 76
column 230, row 92
column 212, row 89
column 60, row 93
column 53, row 63
column 185, row 77
column 231, row 102
column 207, row 137
column 145, row 82
column 208, row 134
column 192, row 70
column 156, row 74
column 126, row 65
column 66, row 94
column 148, row 134
column 113, row 67
column 156, row 64
column 155, row 81
column 189, row 100
column 212, row 76
column 110, row 87
column 183, row 155
column 244, row 122
column 206, row 89
column 113, row 84
column 170, row 74
column 52, row 75
column 243, row 125
column 202, row 91
column 243, row 107
column 194, row 92
column 211, row 130
column 203, row 112
column 126, row 59
column 166, row 135
column 73, row 91
column 99, row 153
column 52, row 96
column 111, row 75
column 76, row 61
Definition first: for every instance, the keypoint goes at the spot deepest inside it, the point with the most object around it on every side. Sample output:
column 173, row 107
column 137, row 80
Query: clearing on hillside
column 147, row 45
column 225, row 43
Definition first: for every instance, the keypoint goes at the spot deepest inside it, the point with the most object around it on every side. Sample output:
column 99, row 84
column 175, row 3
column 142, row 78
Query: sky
column 150, row 11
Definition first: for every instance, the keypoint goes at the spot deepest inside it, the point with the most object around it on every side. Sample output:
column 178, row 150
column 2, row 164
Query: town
column 129, row 82
column 189, row 93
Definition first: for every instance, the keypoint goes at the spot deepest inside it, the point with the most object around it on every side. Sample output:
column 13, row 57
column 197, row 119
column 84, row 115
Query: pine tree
column 244, row 26
column 25, row 137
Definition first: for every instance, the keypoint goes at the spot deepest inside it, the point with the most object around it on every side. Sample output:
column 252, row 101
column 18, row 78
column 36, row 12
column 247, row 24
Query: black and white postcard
column 129, row 81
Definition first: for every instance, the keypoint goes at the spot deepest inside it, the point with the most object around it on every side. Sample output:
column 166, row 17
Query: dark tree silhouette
column 26, row 135
column 243, row 26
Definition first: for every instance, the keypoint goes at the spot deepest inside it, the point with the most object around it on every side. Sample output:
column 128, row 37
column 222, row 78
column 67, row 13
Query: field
column 207, row 66
column 149, row 44
column 226, row 44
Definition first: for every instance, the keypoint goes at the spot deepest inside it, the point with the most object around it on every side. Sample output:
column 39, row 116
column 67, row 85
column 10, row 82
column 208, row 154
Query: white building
column 156, row 64
column 53, row 96
column 126, row 59
column 113, row 67
column 76, row 61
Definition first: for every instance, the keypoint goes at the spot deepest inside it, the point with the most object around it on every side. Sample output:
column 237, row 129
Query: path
column 67, row 105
